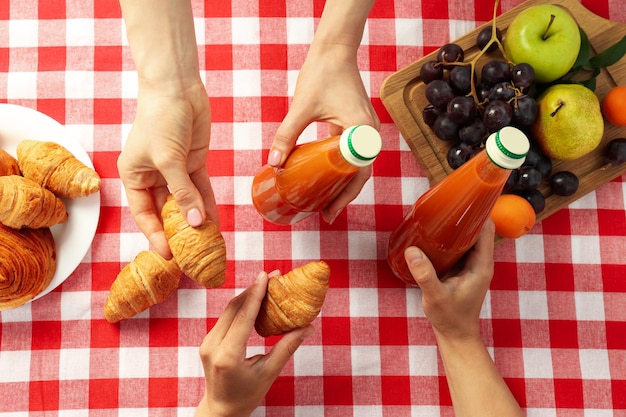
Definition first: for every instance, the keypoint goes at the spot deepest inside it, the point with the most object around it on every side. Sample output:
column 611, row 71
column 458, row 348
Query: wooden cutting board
column 402, row 94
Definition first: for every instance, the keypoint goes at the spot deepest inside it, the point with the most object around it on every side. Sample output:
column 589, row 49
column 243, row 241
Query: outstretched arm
column 168, row 143
column 330, row 89
column 453, row 306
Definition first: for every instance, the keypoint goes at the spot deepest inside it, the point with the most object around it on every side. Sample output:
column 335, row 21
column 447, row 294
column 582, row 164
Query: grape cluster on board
column 466, row 104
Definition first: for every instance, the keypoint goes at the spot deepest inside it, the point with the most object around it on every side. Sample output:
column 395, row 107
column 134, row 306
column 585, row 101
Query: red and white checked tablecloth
column 554, row 320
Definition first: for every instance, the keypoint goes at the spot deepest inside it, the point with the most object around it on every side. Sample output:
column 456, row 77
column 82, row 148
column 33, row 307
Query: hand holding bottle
column 453, row 306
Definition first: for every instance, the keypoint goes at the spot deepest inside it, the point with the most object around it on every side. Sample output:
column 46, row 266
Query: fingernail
column 274, row 158
column 337, row 213
column 194, row 218
column 260, row 277
column 413, row 255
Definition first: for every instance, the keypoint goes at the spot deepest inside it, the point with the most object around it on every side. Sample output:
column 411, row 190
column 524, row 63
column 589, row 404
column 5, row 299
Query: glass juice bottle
column 446, row 220
column 313, row 175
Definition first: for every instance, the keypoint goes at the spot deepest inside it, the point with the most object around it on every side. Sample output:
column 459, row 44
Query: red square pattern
column 51, row 58
column 103, row 393
column 507, row 332
column 611, row 223
column 338, row 390
column 557, row 223
column 108, row 58
column 43, row 395
column 103, row 274
column 51, row 9
column 616, row 335
column 613, row 278
column 383, row 9
column 518, row 389
column 272, row 8
column 163, row 392
column 218, row 57
column 335, row 330
column 618, row 388
column 110, row 220
column 46, row 335
column 53, row 107
column 382, row 58
column 559, row 276
column 107, row 111
column 393, row 331
column 504, row 276
column 104, row 334
column 563, row 334
column 282, row 392
column 222, row 109
column 163, row 332
column 217, row 8
column 568, row 393
column 274, row 109
column 106, row 9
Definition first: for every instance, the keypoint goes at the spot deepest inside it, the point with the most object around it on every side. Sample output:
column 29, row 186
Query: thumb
column 286, row 135
column 284, row 349
column 185, row 193
column 422, row 270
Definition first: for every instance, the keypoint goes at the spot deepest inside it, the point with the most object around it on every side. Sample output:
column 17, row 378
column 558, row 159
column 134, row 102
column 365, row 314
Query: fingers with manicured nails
column 185, row 193
column 243, row 321
column 284, row 349
column 348, row 194
column 287, row 134
column 225, row 321
column 203, row 183
column 422, row 270
column 143, row 211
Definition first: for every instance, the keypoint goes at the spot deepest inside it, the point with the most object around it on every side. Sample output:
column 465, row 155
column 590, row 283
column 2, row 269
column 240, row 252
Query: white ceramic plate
column 72, row 238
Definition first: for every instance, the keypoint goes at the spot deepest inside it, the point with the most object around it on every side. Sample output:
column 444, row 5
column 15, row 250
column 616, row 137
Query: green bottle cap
column 360, row 145
column 508, row 147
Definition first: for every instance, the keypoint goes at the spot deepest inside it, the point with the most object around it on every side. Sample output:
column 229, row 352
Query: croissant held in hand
column 199, row 251
column 8, row 164
column 55, row 168
column 24, row 203
column 147, row 280
column 293, row 300
column 28, row 264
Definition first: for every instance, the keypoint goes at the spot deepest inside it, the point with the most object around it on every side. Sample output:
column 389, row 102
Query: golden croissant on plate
column 24, row 203
column 200, row 252
column 8, row 164
column 54, row 167
column 28, row 264
column 293, row 300
column 147, row 280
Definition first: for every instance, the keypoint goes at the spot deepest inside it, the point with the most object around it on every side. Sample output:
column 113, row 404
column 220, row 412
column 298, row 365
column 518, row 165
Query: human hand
column 329, row 89
column 235, row 385
column 453, row 303
column 167, row 147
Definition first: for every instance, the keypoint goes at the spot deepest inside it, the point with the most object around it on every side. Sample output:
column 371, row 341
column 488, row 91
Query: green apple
column 545, row 36
column 569, row 121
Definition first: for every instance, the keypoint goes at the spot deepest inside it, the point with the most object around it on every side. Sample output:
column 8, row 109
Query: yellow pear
column 569, row 122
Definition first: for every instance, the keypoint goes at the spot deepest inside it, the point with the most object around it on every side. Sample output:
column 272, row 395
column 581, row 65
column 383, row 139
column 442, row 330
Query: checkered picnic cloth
column 554, row 319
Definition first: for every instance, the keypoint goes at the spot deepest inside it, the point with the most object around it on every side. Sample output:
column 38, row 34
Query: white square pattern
column 22, row 85
column 589, row 306
column 305, row 245
column 79, row 32
column 23, row 33
column 134, row 362
column 594, row 364
column 73, row 307
column 249, row 246
column 537, row 363
column 15, row 365
column 246, row 83
column 409, row 32
column 423, row 361
column 247, row 136
column 300, row 30
column 529, row 249
column 363, row 302
column 533, row 305
column 73, row 364
column 586, row 250
column 365, row 360
column 308, row 361
column 245, row 31
column 189, row 364
column 362, row 245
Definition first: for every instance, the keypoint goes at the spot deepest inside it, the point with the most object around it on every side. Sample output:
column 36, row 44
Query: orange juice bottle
column 313, row 175
column 446, row 220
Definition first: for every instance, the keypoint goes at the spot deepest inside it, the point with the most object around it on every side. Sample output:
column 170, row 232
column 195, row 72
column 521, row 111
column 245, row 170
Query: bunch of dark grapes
column 464, row 108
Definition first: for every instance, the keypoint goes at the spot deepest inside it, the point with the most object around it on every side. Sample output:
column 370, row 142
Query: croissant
column 293, row 300
column 8, row 164
column 54, row 167
column 24, row 203
column 28, row 264
column 147, row 280
column 199, row 251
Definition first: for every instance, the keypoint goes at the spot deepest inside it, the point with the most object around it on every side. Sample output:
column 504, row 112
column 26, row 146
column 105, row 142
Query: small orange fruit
column 614, row 105
column 513, row 216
